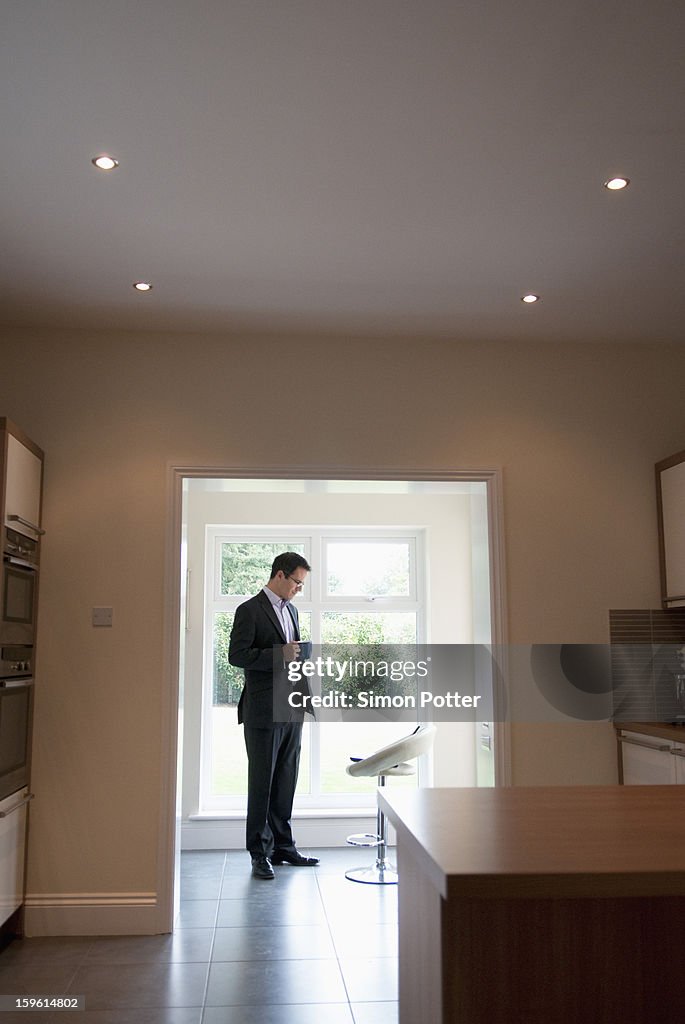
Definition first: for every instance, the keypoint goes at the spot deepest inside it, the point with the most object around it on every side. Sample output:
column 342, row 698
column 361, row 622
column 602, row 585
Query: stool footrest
column 365, row 839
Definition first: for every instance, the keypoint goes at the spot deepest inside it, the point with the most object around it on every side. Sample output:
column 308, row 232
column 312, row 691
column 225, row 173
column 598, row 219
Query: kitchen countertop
column 592, row 841
column 664, row 730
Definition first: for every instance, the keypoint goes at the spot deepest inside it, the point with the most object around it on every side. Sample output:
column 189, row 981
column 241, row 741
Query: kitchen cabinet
column 651, row 754
column 22, row 478
column 12, row 849
column 670, row 496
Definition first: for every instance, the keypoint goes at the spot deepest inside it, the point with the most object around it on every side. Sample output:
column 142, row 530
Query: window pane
column 304, row 779
column 228, row 681
column 367, row 568
column 246, row 567
column 368, row 628
column 229, row 760
column 305, row 625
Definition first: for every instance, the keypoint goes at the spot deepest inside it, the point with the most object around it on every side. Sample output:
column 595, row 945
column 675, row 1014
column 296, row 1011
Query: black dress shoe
column 296, row 859
column 261, row 868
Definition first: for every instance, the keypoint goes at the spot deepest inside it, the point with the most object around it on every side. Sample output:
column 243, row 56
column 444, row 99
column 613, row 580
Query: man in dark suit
column 273, row 730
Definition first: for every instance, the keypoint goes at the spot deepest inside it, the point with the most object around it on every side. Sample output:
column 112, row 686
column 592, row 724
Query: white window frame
column 313, row 600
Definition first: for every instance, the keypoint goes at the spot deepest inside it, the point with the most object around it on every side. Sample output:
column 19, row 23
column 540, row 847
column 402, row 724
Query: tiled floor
column 307, row 947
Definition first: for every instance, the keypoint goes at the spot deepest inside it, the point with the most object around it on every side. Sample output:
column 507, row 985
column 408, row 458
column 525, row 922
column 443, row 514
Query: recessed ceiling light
column 104, row 162
column 142, row 286
column 616, row 184
column 530, row 297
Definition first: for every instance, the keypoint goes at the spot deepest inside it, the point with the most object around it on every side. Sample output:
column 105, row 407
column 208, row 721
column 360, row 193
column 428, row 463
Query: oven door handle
column 19, row 563
column 26, row 522
column 17, row 806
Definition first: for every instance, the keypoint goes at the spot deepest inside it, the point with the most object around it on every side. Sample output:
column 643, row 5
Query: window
column 369, row 568
column 365, row 588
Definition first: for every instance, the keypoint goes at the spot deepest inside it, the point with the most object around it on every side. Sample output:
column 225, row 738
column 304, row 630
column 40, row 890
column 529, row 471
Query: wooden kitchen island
column 541, row 905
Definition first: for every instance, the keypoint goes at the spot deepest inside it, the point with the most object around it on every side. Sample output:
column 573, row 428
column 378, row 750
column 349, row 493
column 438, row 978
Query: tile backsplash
column 645, row 664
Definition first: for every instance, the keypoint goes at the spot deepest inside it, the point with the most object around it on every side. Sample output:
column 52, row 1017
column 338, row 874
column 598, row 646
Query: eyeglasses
column 298, row 583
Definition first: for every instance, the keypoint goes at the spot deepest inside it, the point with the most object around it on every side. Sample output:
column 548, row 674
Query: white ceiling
column 337, row 167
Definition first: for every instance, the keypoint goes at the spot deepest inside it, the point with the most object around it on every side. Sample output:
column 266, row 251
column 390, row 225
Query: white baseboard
column 309, row 832
column 126, row 913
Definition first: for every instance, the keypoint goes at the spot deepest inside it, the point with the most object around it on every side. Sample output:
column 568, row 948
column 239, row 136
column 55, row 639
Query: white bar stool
column 392, row 759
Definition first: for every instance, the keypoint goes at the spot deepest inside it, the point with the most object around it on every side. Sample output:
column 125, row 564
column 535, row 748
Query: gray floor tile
column 36, row 979
column 202, row 872
column 196, row 860
column 289, row 942
column 295, row 881
column 236, row 858
column 27, row 1016
column 370, row 980
column 200, row 888
column 371, row 912
column 128, row 986
column 292, row 875
column 196, row 914
column 316, row 1013
column 241, row 885
column 361, row 938
column 275, row 911
column 187, row 945
column 280, row 982
column 47, row 950
column 375, row 1013
column 334, row 887
column 337, row 860
column 154, row 1015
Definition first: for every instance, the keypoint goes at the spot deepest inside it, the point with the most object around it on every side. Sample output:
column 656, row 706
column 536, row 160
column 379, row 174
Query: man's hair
column 288, row 562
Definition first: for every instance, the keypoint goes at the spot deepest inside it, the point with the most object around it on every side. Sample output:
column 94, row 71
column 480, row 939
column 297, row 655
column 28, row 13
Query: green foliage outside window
column 228, row 680
column 245, row 569
column 357, row 637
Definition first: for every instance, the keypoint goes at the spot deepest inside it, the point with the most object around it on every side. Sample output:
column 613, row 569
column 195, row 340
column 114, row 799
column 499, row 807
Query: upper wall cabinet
column 22, row 476
column 670, row 496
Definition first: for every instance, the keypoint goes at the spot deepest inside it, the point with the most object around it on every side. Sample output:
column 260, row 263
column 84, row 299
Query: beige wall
column 576, row 430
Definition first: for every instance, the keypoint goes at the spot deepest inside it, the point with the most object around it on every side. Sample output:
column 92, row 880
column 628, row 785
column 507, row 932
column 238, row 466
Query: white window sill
column 309, row 812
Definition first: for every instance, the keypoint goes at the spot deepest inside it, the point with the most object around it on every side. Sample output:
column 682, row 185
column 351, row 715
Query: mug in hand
column 305, row 650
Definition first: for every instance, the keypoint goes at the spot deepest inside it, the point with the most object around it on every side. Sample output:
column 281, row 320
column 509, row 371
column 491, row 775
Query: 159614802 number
column 42, row 1002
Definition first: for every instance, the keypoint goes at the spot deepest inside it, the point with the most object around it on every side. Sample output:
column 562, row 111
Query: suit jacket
column 256, row 630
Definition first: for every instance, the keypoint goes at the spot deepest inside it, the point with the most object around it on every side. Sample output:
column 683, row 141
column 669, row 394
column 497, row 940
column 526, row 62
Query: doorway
column 455, row 520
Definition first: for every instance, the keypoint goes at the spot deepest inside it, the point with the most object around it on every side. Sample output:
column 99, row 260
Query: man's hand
column 291, row 652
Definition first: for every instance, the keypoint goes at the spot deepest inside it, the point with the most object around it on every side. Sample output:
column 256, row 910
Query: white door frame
column 176, row 474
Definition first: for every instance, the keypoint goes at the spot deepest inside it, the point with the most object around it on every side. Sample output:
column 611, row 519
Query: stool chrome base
column 381, row 873
column 378, row 875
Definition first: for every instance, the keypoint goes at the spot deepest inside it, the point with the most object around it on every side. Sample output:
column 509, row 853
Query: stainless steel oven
column 18, row 588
